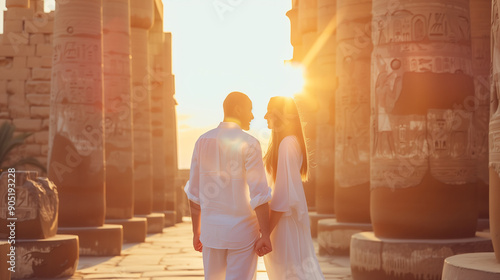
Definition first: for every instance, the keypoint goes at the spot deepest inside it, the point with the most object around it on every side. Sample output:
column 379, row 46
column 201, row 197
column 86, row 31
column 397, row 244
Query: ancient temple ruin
column 401, row 104
column 83, row 83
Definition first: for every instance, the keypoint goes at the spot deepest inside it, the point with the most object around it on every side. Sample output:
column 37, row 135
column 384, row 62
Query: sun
column 292, row 78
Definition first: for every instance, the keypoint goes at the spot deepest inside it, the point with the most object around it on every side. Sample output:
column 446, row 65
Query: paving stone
column 169, row 255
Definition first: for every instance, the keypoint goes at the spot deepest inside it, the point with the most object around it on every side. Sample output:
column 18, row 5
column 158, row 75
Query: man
column 229, row 194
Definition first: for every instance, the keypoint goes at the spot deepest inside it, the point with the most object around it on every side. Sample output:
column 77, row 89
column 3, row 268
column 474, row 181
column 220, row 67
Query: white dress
column 293, row 255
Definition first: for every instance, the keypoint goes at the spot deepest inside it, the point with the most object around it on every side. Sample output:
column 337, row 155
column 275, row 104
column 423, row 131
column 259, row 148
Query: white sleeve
column 260, row 192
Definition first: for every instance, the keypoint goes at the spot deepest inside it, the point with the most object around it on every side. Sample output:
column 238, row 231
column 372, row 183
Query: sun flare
column 292, row 78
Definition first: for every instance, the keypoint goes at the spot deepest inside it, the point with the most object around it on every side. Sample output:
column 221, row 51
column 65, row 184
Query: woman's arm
column 274, row 219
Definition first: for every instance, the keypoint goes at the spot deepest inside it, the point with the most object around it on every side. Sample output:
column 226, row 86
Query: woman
column 293, row 255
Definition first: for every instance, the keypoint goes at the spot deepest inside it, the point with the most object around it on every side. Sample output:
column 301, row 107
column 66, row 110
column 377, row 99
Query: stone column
column 352, row 128
column 157, row 73
column 422, row 130
column 494, row 133
column 141, row 21
column 76, row 142
column 118, row 122
column 307, row 103
column 170, row 132
column 76, row 148
column 352, row 111
column 481, row 59
column 315, row 55
column 323, row 85
column 296, row 41
column 423, row 169
column 118, row 114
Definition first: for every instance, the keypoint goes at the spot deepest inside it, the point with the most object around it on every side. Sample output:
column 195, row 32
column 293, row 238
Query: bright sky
column 221, row 46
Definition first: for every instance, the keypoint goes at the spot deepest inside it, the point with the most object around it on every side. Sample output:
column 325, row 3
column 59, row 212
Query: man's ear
column 237, row 111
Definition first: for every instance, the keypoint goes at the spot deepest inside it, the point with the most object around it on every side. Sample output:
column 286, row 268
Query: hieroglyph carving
column 352, row 120
column 420, row 118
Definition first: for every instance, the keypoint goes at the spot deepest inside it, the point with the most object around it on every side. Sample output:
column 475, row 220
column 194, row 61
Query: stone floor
column 169, row 255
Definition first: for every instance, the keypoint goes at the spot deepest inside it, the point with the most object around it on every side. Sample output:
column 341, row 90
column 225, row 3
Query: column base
column 375, row 258
column 483, row 224
column 482, row 266
column 334, row 238
column 134, row 229
column 155, row 222
column 105, row 240
column 51, row 258
column 314, row 217
column 170, row 218
column 4, row 266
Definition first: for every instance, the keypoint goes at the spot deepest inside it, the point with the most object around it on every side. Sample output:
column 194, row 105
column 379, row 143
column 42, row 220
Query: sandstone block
column 44, row 50
column 27, row 125
column 4, row 115
column 45, row 124
column 30, row 139
column 38, row 99
column 17, row 50
column 19, row 112
column 37, row 87
column 19, row 62
column 4, row 100
column 37, row 39
column 34, row 61
column 39, row 25
column 46, row 61
column 37, row 5
column 15, row 88
column 18, row 13
column 6, row 63
column 15, row 74
column 17, row 3
column 40, row 111
column 12, row 25
column 17, row 104
column 42, row 137
column 43, row 74
column 15, row 39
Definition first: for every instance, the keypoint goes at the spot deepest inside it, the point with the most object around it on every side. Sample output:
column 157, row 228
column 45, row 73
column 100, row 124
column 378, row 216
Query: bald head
column 238, row 108
column 234, row 100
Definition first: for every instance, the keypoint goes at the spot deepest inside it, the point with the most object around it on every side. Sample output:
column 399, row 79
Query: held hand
column 198, row 246
column 263, row 246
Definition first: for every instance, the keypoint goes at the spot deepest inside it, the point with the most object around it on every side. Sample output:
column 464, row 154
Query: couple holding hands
column 236, row 215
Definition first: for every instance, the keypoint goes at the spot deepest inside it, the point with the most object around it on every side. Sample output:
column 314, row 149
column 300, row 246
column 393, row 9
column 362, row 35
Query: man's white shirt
column 227, row 179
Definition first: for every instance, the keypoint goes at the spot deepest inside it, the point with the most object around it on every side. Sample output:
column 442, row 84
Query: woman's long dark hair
column 286, row 122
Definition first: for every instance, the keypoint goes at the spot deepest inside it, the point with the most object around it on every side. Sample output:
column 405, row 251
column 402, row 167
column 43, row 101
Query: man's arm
column 192, row 191
column 195, row 217
column 263, row 245
column 260, row 194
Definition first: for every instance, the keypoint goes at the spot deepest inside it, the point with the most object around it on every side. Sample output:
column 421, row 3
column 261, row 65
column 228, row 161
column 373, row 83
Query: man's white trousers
column 230, row 264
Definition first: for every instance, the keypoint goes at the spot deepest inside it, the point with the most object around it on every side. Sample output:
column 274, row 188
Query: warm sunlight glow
column 216, row 51
column 292, row 78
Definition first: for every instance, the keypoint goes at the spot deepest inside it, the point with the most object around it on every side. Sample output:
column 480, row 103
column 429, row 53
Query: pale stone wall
column 25, row 72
